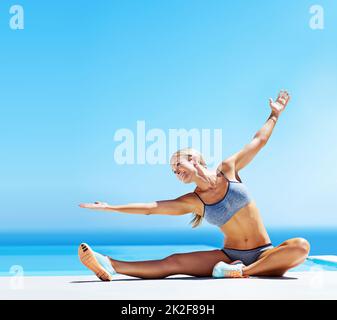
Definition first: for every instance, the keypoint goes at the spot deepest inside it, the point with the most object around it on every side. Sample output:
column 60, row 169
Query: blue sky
column 81, row 70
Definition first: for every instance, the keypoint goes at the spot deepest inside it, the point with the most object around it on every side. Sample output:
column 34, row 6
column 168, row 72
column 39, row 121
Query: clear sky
column 81, row 70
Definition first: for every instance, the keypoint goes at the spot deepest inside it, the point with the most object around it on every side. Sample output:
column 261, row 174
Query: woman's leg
column 199, row 264
column 276, row 261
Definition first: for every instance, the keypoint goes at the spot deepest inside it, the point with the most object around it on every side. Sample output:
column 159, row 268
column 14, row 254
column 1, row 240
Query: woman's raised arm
column 240, row 159
column 182, row 205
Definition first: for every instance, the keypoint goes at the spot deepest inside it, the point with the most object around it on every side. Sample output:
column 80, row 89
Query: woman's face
column 183, row 168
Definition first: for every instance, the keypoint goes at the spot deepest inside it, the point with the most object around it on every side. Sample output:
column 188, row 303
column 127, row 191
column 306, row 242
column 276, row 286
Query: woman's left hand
column 280, row 104
column 95, row 206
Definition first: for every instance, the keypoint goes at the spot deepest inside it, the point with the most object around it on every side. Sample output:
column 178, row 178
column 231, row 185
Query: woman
column 223, row 200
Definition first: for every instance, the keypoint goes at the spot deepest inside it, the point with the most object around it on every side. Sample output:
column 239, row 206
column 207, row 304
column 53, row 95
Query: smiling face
column 183, row 168
column 182, row 164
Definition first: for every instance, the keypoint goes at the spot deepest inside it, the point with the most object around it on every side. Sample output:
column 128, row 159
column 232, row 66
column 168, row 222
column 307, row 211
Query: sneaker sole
column 233, row 274
column 88, row 259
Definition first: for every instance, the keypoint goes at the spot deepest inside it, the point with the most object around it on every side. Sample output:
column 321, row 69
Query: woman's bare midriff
column 245, row 230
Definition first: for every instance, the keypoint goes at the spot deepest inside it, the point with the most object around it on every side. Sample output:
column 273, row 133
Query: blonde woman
column 222, row 199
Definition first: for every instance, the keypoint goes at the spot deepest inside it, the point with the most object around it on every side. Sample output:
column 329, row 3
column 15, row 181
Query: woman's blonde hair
column 189, row 153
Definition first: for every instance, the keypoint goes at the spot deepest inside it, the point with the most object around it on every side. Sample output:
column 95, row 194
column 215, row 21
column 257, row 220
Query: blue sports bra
column 236, row 197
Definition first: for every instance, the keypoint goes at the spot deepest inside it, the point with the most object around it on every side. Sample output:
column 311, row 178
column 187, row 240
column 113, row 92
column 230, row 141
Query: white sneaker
column 96, row 262
column 225, row 270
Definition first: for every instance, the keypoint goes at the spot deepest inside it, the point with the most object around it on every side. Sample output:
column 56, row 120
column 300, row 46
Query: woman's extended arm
column 182, row 205
column 244, row 156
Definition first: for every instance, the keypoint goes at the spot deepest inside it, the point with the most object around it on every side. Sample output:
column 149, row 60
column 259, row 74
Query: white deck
column 295, row 285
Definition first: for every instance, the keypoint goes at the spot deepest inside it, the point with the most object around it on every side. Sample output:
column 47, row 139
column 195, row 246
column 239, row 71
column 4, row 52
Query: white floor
column 295, row 285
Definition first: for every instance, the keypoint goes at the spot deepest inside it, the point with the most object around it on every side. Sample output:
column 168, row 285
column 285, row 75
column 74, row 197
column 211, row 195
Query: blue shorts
column 246, row 256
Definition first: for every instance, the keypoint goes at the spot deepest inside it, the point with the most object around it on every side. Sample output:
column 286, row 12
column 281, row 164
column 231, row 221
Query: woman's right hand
column 95, row 206
column 279, row 105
